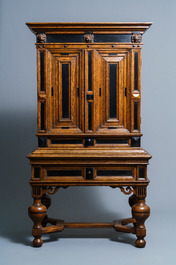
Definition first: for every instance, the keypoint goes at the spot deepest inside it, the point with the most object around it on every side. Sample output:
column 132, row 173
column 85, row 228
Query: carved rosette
column 89, row 38
column 41, row 37
column 136, row 38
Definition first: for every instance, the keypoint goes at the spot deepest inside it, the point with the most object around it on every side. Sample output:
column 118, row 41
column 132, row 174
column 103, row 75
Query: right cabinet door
column 111, row 81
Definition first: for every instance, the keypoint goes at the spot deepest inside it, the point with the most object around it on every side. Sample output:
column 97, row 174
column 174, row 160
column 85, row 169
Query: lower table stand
column 117, row 168
column 38, row 213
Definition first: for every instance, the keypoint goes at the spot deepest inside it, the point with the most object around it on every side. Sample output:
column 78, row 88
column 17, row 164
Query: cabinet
column 89, row 98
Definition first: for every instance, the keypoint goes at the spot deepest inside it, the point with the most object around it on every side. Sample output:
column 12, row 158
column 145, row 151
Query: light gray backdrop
column 18, row 120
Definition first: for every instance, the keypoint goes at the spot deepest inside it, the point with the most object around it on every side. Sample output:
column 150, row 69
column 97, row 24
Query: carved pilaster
column 141, row 192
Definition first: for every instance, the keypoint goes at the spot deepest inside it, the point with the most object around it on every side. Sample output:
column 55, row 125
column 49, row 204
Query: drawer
column 83, row 174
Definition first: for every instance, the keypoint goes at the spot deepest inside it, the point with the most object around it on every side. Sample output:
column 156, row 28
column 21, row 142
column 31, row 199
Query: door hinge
column 78, row 91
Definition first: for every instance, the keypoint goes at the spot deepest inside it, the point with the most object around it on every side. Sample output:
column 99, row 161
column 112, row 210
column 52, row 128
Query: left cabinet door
column 64, row 94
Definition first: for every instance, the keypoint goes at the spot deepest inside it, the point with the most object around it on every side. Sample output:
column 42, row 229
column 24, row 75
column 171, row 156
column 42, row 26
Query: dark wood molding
column 95, row 27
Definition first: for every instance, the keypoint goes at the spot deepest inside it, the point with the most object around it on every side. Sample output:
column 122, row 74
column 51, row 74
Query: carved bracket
column 41, row 37
column 89, row 38
column 51, row 190
column 136, row 38
column 126, row 190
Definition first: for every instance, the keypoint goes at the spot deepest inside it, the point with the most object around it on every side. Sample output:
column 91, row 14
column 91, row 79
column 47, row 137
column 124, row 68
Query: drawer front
column 87, row 175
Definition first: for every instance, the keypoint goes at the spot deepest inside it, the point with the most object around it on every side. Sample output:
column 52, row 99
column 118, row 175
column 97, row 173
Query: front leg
column 46, row 201
column 37, row 213
column 132, row 200
column 140, row 211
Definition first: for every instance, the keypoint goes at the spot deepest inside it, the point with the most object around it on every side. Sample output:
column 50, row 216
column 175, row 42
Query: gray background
column 18, row 116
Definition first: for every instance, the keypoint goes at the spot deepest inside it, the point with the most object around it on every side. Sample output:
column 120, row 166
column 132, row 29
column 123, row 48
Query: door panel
column 111, row 77
column 67, row 104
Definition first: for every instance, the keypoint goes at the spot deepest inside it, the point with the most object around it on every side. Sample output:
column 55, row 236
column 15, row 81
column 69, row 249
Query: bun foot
column 140, row 243
column 37, row 242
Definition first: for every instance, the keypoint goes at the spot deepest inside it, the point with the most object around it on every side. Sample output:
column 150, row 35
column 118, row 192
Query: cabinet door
column 109, row 106
column 67, row 102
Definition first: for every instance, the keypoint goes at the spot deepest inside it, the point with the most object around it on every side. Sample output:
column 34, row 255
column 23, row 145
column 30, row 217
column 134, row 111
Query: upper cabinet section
column 89, row 78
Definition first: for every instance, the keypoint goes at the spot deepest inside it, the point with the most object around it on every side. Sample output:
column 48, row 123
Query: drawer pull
column 89, row 173
column 89, row 142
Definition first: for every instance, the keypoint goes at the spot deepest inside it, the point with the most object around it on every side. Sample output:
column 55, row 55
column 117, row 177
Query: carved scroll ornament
column 126, row 190
column 51, row 190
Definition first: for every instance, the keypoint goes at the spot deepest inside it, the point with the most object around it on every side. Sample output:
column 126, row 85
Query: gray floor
column 94, row 246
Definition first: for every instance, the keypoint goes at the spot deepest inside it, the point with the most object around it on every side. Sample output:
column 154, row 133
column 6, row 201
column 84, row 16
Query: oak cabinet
column 89, row 100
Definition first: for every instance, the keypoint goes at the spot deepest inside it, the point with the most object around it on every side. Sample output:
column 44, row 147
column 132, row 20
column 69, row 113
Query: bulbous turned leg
column 46, row 201
column 37, row 212
column 133, row 199
column 140, row 211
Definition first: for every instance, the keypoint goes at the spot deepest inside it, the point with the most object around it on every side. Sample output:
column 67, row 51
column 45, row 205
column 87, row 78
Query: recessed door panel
column 112, row 79
column 65, row 90
column 67, row 103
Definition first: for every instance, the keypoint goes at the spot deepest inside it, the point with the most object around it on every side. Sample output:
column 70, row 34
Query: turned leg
column 140, row 211
column 132, row 200
column 46, row 201
column 37, row 212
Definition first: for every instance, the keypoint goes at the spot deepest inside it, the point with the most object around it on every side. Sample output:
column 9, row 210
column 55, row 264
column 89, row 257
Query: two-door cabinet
column 89, row 101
